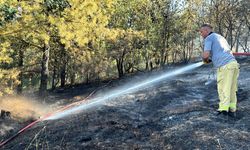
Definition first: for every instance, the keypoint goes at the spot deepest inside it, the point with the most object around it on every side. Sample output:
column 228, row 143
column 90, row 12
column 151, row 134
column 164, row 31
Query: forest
column 46, row 44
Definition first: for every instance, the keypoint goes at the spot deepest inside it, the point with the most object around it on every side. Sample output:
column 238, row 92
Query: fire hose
column 241, row 54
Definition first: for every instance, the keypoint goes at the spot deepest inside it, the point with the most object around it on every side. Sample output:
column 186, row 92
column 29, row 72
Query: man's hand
column 205, row 57
column 207, row 61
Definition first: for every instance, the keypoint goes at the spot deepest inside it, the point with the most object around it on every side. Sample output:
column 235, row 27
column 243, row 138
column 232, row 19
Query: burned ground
column 178, row 113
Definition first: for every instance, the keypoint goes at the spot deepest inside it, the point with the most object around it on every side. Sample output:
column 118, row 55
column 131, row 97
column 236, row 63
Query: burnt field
column 178, row 113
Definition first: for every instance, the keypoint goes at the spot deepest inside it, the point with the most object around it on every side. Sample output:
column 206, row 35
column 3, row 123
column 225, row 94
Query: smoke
column 23, row 109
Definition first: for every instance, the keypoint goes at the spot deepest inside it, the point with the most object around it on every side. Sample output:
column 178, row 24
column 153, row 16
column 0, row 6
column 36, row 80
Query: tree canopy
column 47, row 44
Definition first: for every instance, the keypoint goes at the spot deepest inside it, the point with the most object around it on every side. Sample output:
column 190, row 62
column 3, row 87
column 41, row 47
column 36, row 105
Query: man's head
column 205, row 30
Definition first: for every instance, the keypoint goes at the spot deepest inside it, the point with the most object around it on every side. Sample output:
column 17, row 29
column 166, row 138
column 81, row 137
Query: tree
column 124, row 42
column 81, row 27
column 229, row 19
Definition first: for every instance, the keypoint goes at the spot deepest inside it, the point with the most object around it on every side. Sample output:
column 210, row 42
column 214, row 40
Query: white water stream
column 132, row 87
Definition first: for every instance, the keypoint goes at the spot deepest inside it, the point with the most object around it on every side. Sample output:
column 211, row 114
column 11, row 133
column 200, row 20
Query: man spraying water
column 218, row 48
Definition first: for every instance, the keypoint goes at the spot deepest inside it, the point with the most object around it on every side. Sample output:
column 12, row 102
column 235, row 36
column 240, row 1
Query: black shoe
column 223, row 112
column 232, row 114
column 222, row 115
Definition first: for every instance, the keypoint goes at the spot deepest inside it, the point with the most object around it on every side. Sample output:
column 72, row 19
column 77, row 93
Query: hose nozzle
column 207, row 61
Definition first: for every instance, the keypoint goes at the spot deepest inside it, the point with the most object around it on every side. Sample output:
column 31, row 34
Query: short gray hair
column 207, row 25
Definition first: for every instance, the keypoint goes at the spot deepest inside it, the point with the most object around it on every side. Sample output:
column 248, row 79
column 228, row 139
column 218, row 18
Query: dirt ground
column 178, row 113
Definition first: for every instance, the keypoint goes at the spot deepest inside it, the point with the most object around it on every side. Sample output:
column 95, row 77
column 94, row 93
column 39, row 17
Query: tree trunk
column 63, row 66
column 73, row 75
column 238, row 35
column 54, row 77
column 119, row 64
column 87, row 77
column 73, row 78
column 63, row 75
column 151, row 65
column 20, row 78
column 44, row 70
column 163, row 49
column 231, row 34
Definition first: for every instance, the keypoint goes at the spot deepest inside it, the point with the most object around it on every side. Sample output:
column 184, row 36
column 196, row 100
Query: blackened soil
column 179, row 113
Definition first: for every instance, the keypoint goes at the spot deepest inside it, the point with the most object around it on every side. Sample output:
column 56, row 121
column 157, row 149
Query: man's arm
column 205, row 56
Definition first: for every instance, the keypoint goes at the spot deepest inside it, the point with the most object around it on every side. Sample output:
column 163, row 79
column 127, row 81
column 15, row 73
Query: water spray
column 80, row 106
column 123, row 90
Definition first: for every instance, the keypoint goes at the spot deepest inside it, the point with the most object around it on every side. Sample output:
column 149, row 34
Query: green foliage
column 7, row 14
column 56, row 6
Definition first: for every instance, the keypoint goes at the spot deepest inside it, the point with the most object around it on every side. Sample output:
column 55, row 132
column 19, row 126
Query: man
column 218, row 48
